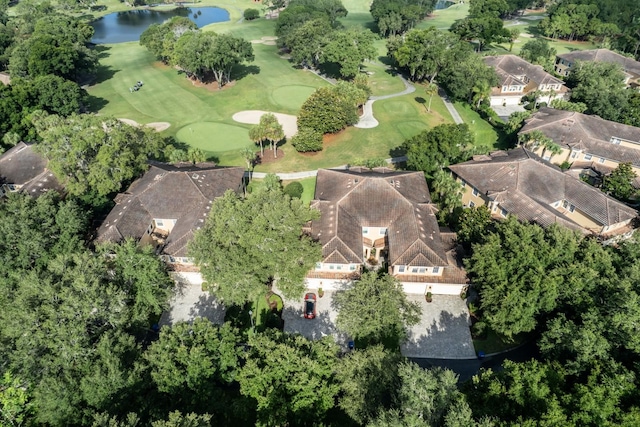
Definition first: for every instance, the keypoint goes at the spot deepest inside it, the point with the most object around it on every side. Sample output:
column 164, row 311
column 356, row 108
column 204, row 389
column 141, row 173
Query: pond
column 128, row 26
column 443, row 4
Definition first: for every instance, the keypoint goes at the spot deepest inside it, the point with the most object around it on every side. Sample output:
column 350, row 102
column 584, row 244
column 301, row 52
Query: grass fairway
column 291, row 97
column 202, row 135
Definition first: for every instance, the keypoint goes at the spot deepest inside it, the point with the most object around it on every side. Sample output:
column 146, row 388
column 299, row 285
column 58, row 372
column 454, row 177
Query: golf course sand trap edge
column 157, row 126
column 252, row 117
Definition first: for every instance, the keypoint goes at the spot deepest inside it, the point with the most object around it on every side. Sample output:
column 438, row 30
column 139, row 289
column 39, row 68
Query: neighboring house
column 566, row 61
column 382, row 218
column 587, row 142
column 22, row 169
column 517, row 182
column 167, row 205
column 519, row 78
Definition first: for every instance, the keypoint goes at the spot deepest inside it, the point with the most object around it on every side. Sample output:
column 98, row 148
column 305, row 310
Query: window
column 463, row 183
column 422, row 270
column 573, row 155
column 172, row 259
column 436, row 270
column 572, row 208
column 588, row 156
column 565, row 204
column 401, row 269
column 615, row 140
column 383, row 230
column 475, row 191
column 338, row 267
column 159, row 223
column 318, row 265
column 503, row 212
column 471, row 204
column 352, row 267
column 365, row 230
column 414, row 270
column 600, row 160
column 332, row 267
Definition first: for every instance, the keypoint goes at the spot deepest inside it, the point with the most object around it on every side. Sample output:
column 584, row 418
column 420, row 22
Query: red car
column 310, row 306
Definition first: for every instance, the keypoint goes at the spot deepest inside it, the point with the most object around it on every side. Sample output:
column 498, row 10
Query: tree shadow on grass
column 242, row 71
column 386, row 60
column 95, row 103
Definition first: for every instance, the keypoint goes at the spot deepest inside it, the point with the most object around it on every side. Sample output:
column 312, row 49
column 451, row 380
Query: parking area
column 443, row 331
column 190, row 301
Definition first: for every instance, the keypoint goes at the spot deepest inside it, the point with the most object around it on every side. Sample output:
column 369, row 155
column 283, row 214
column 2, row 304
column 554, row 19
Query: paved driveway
column 189, row 302
column 443, row 332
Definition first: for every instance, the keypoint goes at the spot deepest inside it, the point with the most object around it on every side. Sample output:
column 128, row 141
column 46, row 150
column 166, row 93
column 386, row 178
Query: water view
column 128, row 26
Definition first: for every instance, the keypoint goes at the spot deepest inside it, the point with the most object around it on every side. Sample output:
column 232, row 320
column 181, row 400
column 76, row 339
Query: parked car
column 310, row 306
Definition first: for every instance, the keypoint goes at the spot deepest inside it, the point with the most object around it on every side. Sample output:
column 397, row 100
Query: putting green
column 214, row 137
column 292, row 96
column 411, row 128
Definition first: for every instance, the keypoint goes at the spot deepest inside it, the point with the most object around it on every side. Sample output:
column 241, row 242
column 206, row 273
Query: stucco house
column 167, row 205
column 566, row 61
column 380, row 217
column 519, row 78
column 518, row 182
column 22, row 169
column 587, row 142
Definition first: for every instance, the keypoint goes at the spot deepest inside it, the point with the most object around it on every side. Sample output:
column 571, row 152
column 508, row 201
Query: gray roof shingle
column 183, row 192
column 356, row 198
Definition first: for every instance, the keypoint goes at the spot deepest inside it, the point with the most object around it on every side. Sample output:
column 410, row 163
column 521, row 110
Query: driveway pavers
column 189, row 302
column 323, row 325
column 443, row 331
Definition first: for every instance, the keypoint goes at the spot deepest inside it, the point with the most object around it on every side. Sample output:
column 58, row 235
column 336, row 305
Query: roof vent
column 195, row 176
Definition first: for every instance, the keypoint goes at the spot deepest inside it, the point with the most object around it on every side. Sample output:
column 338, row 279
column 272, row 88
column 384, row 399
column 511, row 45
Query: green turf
column 291, row 97
column 203, row 135
column 308, row 188
column 485, row 134
column 443, row 18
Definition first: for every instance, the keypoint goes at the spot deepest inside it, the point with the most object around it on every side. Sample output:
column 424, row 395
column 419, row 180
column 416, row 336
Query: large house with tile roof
column 587, row 142
column 380, row 217
column 517, row 182
column 167, row 205
column 631, row 68
column 22, row 169
column 519, row 78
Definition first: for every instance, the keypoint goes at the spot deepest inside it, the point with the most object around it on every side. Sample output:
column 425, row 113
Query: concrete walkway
column 452, row 110
column 286, row 176
column 367, row 121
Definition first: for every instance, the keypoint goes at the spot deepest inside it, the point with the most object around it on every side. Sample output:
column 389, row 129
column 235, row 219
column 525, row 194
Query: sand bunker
column 252, row 117
column 157, row 126
column 268, row 40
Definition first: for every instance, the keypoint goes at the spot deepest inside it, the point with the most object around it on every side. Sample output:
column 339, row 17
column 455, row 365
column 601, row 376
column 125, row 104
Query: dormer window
column 615, row 140
column 365, row 230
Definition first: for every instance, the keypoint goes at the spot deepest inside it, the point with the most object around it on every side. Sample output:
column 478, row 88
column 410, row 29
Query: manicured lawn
column 202, row 116
column 442, row 19
column 309, row 188
column 486, row 135
column 400, row 118
column 199, row 135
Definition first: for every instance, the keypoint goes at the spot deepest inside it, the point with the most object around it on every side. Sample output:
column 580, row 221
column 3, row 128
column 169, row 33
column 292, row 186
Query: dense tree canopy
column 375, row 310
column 433, row 149
column 95, row 155
column 424, row 53
column 539, row 51
column 469, row 72
column 484, row 24
column 398, row 16
column 600, row 86
column 246, row 244
column 58, row 45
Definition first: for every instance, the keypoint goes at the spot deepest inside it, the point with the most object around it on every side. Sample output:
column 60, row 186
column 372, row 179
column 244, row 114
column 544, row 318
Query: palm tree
column 430, row 90
column 514, row 33
column 249, row 156
column 536, row 138
column 481, row 91
column 447, row 190
column 272, row 131
column 256, row 134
